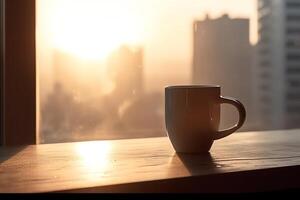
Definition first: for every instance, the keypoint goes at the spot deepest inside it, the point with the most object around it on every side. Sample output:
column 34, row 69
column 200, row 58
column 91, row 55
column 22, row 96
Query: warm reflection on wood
column 94, row 157
column 236, row 163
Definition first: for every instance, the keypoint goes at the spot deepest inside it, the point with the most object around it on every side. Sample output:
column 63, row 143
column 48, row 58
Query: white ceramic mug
column 192, row 116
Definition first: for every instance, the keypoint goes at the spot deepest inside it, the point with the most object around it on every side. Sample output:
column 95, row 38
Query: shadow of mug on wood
column 192, row 116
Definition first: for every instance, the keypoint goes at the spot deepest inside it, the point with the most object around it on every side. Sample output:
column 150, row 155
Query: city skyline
column 161, row 20
column 128, row 110
column 121, row 91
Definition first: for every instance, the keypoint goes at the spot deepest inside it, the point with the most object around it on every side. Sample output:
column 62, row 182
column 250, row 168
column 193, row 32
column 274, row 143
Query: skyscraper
column 278, row 63
column 223, row 56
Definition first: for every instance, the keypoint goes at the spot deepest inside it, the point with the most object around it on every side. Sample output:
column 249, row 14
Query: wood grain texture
column 253, row 161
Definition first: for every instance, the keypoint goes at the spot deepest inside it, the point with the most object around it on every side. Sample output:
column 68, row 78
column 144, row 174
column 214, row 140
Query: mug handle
column 242, row 117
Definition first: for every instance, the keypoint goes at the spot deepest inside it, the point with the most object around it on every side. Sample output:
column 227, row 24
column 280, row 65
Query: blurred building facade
column 125, row 67
column 223, row 55
column 136, row 112
column 278, row 64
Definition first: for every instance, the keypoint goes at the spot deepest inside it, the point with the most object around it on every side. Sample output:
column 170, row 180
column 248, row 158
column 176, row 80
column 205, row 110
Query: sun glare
column 94, row 155
column 92, row 29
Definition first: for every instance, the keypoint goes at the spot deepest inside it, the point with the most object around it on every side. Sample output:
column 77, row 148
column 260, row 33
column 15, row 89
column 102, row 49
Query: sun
column 92, row 29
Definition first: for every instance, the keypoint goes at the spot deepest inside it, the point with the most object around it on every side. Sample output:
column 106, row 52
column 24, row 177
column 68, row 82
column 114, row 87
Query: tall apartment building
column 223, row 56
column 277, row 70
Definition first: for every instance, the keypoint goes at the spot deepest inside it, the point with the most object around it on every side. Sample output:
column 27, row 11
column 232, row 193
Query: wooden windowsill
column 253, row 161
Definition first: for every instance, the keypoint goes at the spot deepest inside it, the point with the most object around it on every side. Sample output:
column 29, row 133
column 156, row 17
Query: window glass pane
column 104, row 64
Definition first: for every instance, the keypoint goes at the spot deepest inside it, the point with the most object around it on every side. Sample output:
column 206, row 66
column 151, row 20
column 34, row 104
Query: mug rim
column 193, row 87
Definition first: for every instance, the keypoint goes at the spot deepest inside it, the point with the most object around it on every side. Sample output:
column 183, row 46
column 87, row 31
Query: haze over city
column 91, row 29
column 103, row 65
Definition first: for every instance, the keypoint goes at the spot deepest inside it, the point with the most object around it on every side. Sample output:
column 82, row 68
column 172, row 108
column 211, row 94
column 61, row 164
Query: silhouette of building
column 125, row 67
column 223, row 56
column 278, row 63
column 130, row 111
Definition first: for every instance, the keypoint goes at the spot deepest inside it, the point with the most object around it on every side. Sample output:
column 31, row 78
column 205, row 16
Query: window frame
column 1, row 69
column 19, row 91
column 18, row 77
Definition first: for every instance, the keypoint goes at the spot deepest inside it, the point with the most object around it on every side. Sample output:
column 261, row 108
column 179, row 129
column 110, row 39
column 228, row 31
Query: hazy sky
column 92, row 28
